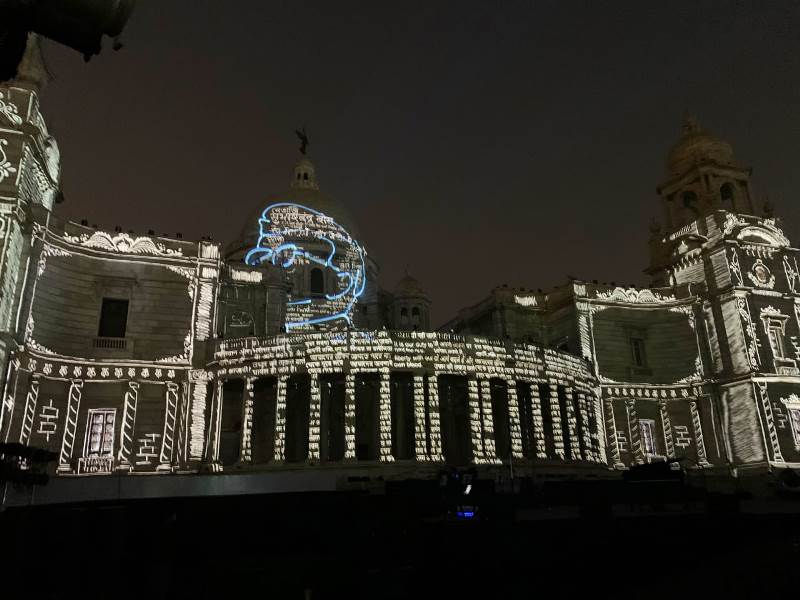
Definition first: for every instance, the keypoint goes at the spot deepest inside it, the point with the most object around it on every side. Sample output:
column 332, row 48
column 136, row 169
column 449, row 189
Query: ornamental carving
column 525, row 300
column 122, row 242
column 790, row 268
column 9, row 110
column 185, row 355
column 761, row 276
column 634, row 296
column 731, row 223
column 49, row 250
column 793, row 401
column 750, row 332
column 733, row 263
column 6, row 169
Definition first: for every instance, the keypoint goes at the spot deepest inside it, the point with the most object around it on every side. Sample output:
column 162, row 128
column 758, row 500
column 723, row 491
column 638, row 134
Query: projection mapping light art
column 292, row 235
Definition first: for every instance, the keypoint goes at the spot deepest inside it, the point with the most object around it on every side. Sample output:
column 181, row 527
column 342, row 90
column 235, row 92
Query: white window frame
column 775, row 329
column 105, row 412
column 644, row 426
column 794, row 425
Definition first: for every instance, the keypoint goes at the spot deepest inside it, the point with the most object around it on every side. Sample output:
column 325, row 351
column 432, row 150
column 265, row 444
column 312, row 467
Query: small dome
column 408, row 287
column 695, row 146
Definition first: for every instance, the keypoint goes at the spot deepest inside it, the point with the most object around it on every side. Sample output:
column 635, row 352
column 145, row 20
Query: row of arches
column 726, row 197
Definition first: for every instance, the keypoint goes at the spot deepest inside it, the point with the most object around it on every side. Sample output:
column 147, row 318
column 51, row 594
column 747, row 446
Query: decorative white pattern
column 49, row 250
column 184, row 356
column 761, row 276
column 48, row 419
column 791, row 270
column 634, row 296
column 750, row 332
column 733, row 263
column 10, row 111
column 122, row 242
column 6, row 169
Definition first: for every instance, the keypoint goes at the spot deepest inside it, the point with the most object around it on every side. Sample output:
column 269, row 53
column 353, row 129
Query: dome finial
column 690, row 123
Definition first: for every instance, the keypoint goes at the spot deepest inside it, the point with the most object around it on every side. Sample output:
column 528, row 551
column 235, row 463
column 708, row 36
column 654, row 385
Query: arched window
column 317, row 282
column 415, row 315
column 404, row 316
column 726, row 194
column 690, row 201
column 305, row 176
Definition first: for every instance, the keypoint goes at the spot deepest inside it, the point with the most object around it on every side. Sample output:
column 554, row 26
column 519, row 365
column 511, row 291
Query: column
column 385, row 419
column 702, row 460
column 126, row 431
column 215, row 425
column 350, row 416
column 9, row 397
column 198, row 385
column 585, row 434
column 30, row 411
column 183, row 424
column 555, row 418
column 536, row 421
column 314, row 412
column 599, row 436
column 246, row 448
column 435, row 433
column 769, row 421
column 666, row 426
column 420, row 431
column 476, row 423
column 611, row 436
column 170, row 418
column 70, row 425
column 572, row 424
column 514, row 421
column 280, row 420
column 635, row 435
column 489, row 447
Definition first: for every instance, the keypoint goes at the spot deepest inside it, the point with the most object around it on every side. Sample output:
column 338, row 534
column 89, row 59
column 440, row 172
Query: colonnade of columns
column 568, row 431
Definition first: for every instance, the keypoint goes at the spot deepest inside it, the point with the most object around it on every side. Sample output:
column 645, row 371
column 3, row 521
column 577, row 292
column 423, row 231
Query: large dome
column 695, row 146
column 304, row 191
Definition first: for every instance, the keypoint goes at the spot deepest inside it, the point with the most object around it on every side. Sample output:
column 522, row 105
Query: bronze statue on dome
column 301, row 133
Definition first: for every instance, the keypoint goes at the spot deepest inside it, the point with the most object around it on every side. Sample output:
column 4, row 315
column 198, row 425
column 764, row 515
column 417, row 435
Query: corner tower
column 703, row 182
column 30, row 170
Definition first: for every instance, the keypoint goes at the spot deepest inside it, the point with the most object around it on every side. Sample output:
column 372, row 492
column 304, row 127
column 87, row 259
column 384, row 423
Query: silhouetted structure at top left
column 79, row 24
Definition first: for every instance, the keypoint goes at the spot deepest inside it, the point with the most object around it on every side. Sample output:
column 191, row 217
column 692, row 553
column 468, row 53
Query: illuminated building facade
column 251, row 366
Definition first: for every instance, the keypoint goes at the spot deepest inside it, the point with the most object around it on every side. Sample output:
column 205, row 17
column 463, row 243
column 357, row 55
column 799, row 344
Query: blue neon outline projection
column 271, row 247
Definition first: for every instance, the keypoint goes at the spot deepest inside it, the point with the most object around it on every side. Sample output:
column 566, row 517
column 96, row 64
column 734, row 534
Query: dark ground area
column 652, row 540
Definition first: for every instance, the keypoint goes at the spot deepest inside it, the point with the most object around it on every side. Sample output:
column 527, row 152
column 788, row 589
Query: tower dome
column 410, row 308
column 408, row 287
column 697, row 146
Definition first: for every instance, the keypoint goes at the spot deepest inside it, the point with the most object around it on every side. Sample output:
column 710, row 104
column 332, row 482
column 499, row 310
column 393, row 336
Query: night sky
column 480, row 143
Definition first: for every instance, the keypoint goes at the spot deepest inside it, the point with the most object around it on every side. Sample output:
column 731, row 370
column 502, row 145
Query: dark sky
column 479, row 142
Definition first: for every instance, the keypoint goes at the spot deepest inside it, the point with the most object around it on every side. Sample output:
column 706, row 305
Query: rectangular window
column 100, row 432
column 794, row 420
column 637, row 352
column 113, row 318
column 776, row 340
column 647, row 428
